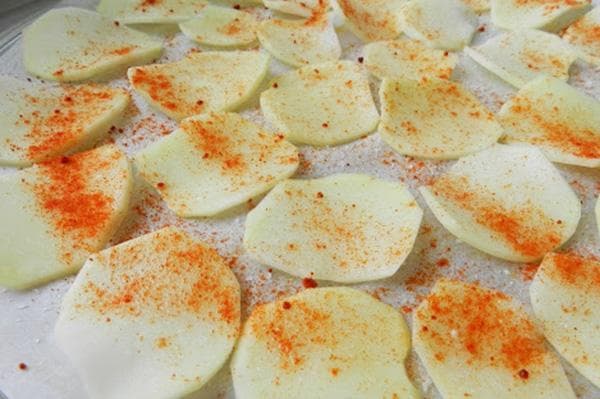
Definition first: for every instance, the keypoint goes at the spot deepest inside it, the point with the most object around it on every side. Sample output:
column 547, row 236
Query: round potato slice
column 332, row 343
column 550, row 16
column 479, row 343
column 154, row 317
column 321, row 105
column 201, row 82
column 214, row 162
column 373, row 20
column 301, row 8
column 56, row 213
column 41, row 122
column 583, row 36
column 72, row 44
column 434, row 119
column 346, row 228
column 563, row 122
column 565, row 294
column 151, row 11
column 507, row 201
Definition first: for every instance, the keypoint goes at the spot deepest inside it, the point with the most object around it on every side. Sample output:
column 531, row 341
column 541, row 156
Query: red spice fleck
column 58, row 72
column 160, row 185
column 320, row 195
column 443, row 262
column 122, row 51
column 361, row 60
column 325, row 125
column 524, row 374
column 286, row 305
column 22, row 366
column 309, row 283
column 335, row 371
column 237, row 6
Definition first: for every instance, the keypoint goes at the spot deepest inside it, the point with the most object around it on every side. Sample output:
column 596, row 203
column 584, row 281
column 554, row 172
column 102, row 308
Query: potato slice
column 408, row 59
column 507, row 201
column 479, row 343
column 301, row 8
column 373, row 20
column 57, row 212
column 346, row 228
column 151, row 11
column 478, row 6
column 221, row 81
column 214, row 162
column 550, row 16
column 434, row 119
column 565, row 295
column 222, row 27
column 154, row 317
column 518, row 57
column 72, row 44
column 334, row 343
column 320, row 105
column 41, row 122
column 441, row 24
column 584, row 36
column 563, row 122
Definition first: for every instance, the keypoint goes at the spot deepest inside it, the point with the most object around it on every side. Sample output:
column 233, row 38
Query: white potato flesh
column 301, row 8
column 70, row 44
column 150, row 11
column 346, row 228
column 373, row 20
column 518, row 57
column 508, row 201
column 222, row 81
column 565, row 294
column 42, row 121
column 441, row 24
column 221, row 27
column 435, row 119
column 408, row 59
column 214, row 162
column 321, row 105
column 550, row 16
column 584, row 37
column 480, row 343
column 559, row 119
column 56, row 213
column 333, row 343
column 478, row 5
column 154, row 317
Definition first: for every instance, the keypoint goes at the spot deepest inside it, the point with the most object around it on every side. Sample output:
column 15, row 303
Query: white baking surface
column 27, row 318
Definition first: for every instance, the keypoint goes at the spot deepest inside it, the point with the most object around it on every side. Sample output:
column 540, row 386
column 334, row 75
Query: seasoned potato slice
column 373, row 20
column 345, row 228
column 221, row 81
column 507, row 201
column 154, row 317
column 333, row 343
column 479, row 343
column 434, row 119
column 551, row 16
column 151, row 11
column 301, row 8
column 214, row 162
column 320, row 105
column 56, row 213
column 584, row 36
column 72, row 44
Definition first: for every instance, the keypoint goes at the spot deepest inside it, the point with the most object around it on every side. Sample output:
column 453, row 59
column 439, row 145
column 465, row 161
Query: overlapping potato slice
column 478, row 5
column 72, row 44
column 301, row 8
column 332, row 343
column 373, row 20
column 57, row 212
column 557, row 118
column 565, row 295
column 479, row 343
column 154, row 317
column 214, row 162
column 345, row 228
column 323, row 104
column 507, row 201
column 550, row 15
column 520, row 56
column 441, row 24
column 434, row 119
column 151, row 11
column 584, row 36
column 201, row 82
column 408, row 59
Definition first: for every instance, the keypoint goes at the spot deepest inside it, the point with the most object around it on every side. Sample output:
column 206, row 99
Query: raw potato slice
column 518, row 57
column 321, row 105
column 441, row 24
column 507, row 201
column 373, row 20
column 301, row 8
column 154, row 317
column 334, row 343
column 214, row 162
column 150, row 11
column 56, row 213
column 220, row 26
column 563, row 122
column 201, row 82
column 584, row 36
column 565, row 295
column 550, row 16
column 41, row 122
column 346, row 228
column 478, row 5
column 408, row 59
column 72, row 44
column 479, row 343
column 434, row 119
